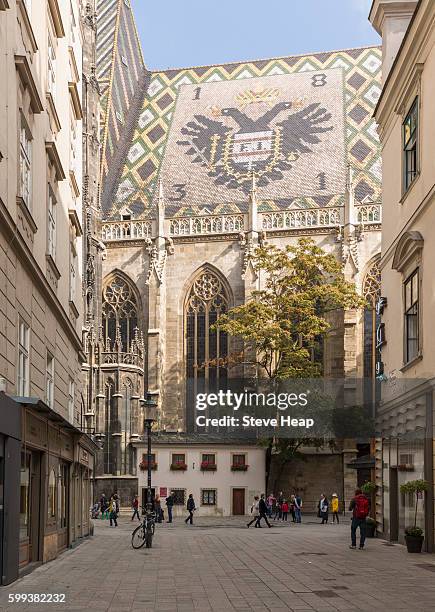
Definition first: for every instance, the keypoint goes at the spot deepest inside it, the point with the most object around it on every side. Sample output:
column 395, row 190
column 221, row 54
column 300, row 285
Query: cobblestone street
column 218, row 564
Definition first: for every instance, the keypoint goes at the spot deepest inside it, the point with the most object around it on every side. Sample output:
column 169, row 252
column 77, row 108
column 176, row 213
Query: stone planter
column 414, row 543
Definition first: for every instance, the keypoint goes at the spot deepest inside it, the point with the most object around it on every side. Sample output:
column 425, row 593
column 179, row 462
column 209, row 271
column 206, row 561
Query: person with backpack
column 190, row 509
column 298, row 508
column 169, row 506
column 254, row 511
column 360, row 507
column 262, row 509
column 113, row 515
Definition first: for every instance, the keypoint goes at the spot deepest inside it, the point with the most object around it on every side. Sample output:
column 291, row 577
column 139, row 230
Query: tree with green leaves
column 283, row 321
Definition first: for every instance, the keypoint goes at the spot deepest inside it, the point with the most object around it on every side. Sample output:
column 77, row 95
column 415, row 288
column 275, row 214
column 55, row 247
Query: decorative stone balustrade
column 368, row 213
column 303, row 218
column 333, row 216
column 213, row 224
column 126, row 230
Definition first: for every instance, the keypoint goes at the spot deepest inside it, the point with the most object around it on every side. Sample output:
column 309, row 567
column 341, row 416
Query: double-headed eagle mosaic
column 267, row 145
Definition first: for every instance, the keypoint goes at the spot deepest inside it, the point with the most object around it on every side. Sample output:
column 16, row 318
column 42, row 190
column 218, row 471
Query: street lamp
column 150, row 410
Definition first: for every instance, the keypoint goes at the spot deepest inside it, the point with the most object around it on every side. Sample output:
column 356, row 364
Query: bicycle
column 143, row 534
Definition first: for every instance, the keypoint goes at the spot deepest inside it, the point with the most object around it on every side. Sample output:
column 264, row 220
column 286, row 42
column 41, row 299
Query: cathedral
column 200, row 165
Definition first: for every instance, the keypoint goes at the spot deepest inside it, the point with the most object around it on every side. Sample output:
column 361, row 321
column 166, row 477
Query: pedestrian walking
column 254, row 511
column 169, row 506
column 112, row 512
column 135, row 507
column 285, row 510
column 292, row 508
column 104, row 507
column 262, row 512
column 360, row 507
column 158, row 508
column 275, row 509
column 323, row 508
column 334, row 508
column 271, row 500
column 190, row 509
column 298, row 508
column 117, row 502
column 280, row 500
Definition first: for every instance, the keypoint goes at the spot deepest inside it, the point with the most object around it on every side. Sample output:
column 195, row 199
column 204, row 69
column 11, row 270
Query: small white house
column 223, row 478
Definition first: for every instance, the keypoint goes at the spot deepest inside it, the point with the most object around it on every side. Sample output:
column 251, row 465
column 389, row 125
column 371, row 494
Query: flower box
column 206, row 466
column 180, row 467
column 143, row 465
column 239, row 467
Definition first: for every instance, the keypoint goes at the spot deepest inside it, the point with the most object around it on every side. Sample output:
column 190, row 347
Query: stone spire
column 253, row 206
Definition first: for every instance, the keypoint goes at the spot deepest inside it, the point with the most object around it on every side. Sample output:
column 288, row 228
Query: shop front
column 55, row 481
column 10, row 445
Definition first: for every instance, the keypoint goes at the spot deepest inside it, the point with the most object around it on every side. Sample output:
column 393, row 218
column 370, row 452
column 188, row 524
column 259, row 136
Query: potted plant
column 207, row 466
column 179, row 466
column 239, row 467
column 414, row 535
column 143, row 465
column 368, row 488
column 370, row 527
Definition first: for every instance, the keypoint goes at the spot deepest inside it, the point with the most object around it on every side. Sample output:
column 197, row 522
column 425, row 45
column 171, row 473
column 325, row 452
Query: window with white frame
column 411, row 290
column 71, row 396
column 25, row 186
column 51, row 224
column 208, row 497
column 49, row 381
column 51, row 67
column 410, row 146
column 72, row 272
column 23, row 358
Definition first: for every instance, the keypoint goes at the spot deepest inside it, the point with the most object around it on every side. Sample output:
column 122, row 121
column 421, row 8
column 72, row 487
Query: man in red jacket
column 360, row 507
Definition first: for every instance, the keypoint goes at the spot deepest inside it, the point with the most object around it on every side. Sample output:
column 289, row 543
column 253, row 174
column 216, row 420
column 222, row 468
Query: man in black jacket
column 190, row 509
column 169, row 505
column 262, row 508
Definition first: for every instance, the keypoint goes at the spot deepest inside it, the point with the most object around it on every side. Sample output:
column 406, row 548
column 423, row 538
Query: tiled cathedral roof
column 121, row 75
column 152, row 126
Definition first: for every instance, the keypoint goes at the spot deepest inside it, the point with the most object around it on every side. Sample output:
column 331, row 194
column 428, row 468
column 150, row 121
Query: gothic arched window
column 206, row 349
column 120, row 308
column 371, row 292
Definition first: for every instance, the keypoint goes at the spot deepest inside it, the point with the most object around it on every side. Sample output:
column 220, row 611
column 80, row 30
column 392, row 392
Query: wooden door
column 238, row 502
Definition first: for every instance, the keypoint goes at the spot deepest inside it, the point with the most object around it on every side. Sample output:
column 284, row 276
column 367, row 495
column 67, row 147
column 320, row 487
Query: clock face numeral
column 180, row 189
column 197, row 93
column 318, row 80
column 321, row 178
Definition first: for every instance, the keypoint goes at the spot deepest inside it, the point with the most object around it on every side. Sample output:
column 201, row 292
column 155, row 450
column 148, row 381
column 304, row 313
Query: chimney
column 390, row 19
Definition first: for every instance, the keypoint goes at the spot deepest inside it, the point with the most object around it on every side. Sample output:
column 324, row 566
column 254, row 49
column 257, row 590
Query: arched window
column 205, row 348
column 120, row 308
column 371, row 292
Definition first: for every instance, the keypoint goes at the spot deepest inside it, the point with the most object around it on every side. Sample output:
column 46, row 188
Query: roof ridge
column 264, row 59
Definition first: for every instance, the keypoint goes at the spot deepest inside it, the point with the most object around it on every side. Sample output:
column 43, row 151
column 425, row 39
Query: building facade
column 42, row 199
column 223, row 478
column 200, row 165
column 406, row 125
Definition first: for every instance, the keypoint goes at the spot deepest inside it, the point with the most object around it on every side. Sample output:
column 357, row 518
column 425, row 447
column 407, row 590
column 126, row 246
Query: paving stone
column 217, row 569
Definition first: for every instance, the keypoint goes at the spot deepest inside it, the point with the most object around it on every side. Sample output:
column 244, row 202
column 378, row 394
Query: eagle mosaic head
column 261, row 123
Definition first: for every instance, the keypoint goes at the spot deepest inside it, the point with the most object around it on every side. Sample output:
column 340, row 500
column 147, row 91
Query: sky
column 183, row 33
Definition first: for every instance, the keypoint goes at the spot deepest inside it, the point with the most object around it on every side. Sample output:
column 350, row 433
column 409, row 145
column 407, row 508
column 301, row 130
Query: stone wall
column 309, row 477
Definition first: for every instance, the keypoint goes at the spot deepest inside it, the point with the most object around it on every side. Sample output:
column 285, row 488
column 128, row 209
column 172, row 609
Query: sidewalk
column 220, row 565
